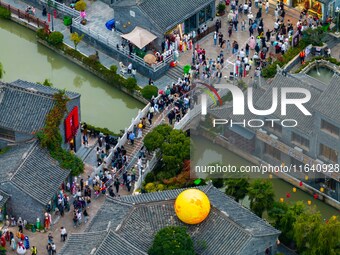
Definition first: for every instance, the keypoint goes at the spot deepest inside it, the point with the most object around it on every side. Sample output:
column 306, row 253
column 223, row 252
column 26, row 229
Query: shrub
column 150, row 177
column 218, row 182
column 98, row 130
column 221, row 7
column 150, row 187
column 113, row 69
column 172, row 240
column 160, row 187
column 149, row 91
column 130, row 83
column 41, row 33
column 80, row 6
column 5, row 13
column 55, row 38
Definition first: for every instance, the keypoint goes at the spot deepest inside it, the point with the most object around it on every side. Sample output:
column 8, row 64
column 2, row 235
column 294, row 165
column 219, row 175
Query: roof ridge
column 18, row 88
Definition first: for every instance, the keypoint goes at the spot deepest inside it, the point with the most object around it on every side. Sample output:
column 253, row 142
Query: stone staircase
column 132, row 151
column 175, row 72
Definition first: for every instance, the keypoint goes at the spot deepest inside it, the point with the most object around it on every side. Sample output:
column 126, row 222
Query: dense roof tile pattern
column 40, row 175
column 24, row 105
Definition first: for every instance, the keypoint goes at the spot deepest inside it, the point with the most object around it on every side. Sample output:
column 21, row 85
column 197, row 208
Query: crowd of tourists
column 264, row 39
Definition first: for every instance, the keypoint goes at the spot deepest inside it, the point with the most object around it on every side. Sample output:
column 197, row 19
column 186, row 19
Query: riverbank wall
column 223, row 142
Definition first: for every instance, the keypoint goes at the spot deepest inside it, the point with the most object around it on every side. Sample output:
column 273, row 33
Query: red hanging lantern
column 55, row 14
column 288, row 195
column 301, row 183
column 49, row 17
column 316, row 196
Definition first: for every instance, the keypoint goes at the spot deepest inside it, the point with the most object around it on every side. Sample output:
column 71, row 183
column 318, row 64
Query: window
column 208, row 12
column 190, row 24
column 298, row 139
column 275, row 153
column 330, row 128
column 296, row 163
column 328, row 153
column 201, row 16
column 276, row 127
column 7, row 134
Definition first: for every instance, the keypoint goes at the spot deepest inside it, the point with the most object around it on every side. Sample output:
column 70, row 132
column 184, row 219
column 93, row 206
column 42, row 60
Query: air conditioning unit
column 274, row 136
column 263, row 131
column 298, row 149
column 319, row 162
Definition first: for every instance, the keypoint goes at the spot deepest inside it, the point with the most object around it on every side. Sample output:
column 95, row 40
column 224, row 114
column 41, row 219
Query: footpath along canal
column 23, row 58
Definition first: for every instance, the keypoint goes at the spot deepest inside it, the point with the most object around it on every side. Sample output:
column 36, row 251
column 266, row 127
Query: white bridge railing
column 197, row 110
column 61, row 7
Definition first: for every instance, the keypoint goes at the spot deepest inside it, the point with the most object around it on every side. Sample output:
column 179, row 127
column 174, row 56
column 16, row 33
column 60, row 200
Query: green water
column 211, row 153
column 22, row 58
column 321, row 73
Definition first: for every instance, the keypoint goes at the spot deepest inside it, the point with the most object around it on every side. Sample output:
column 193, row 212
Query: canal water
column 212, row 153
column 22, row 58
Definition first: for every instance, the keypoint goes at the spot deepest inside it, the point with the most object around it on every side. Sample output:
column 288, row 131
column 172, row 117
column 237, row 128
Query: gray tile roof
column 220, row 234
column 11, row 160
column 167, row 14
column 112, row 211
column 265, row 101
column 24, row 105
column 113, row 244
column 328, row 103
column 228, row 230
column 3, row 198
column 240, row 215
column 42, row 88
column 82, row 243
column 156, row 196
column 39, row 175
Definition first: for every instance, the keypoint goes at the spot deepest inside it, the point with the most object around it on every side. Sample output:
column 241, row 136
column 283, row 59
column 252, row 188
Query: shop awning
column 139, row 37
column 242, row 132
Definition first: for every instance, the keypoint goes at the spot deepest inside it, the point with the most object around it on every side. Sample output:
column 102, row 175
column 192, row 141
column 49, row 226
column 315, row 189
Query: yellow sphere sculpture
column 192, row 206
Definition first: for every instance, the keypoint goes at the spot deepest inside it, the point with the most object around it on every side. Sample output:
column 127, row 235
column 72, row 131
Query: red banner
column 71, row 124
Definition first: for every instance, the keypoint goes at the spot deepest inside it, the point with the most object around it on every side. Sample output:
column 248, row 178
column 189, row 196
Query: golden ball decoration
column 140, row 125
column 192, row 206
column 294, row 189
column 281, row 200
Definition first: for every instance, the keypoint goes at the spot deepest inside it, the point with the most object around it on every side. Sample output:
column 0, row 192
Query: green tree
column 46, row 82
column 237, row 188
column 172, row 241
column 218, row 182
column 80, row 5
column 149, row 91
column 1, row 71
column 174, row 146
column 329, row 238
column 76, row 39
column 261, row 196
column 307, row 229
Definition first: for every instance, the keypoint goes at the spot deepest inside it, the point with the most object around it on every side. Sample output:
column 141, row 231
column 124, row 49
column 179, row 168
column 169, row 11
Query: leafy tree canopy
column 172, row 241
column 261, row 196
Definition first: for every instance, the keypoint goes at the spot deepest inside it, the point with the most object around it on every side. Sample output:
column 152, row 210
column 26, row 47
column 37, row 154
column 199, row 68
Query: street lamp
column 337, row 11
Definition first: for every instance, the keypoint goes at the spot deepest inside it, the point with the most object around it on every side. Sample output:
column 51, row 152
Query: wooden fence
column 25, row 16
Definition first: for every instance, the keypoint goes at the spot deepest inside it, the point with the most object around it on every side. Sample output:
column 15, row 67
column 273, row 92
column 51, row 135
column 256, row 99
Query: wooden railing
column 24, row 15
column 66, row 10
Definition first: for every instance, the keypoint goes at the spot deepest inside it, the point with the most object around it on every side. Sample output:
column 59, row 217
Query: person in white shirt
column 267, row 7
column 63, row 234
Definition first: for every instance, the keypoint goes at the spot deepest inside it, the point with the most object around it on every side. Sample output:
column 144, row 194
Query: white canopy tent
column 139, row 37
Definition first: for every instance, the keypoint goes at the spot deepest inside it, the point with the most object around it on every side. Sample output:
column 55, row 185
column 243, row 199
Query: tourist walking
column 54, row 249
column 63, row 234
column 116, row 184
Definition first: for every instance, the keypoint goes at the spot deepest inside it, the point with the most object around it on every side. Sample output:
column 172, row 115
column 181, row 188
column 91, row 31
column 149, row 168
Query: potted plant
column 221, row 9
